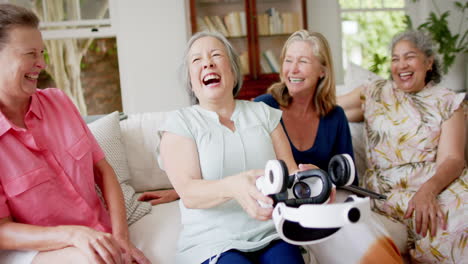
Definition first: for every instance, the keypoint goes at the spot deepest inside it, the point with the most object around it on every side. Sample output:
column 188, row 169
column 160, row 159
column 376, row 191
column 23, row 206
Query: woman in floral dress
column 415, row 131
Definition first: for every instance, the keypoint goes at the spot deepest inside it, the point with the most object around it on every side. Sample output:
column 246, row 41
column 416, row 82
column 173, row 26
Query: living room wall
column 150, row 38
column 151, row 35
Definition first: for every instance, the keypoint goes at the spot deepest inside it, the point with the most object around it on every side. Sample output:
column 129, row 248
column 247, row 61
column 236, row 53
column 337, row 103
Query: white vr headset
column 314, row 223
column 306, row 219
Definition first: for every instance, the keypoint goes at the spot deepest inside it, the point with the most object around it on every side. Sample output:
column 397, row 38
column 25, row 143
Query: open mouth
column 405, row 75
column 31, row 77
column 295, row 80
column 211, row 79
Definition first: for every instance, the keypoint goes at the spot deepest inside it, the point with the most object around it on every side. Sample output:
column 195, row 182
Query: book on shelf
column 209, row 24
column 291, row 22
column 275, row 23
column 209, row 1
column 243, row 23
column 201, row 25
column 244, row 61
column 220, row 27
column 235, row 24
column 272, row 61
column 264, row 65
column 263, row 22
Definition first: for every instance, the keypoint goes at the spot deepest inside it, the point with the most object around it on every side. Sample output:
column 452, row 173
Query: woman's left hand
column 131, row 253
column 427, row 212
column 159, row 197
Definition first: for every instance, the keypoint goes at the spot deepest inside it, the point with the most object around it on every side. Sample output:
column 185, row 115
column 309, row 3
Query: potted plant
column 449, row 44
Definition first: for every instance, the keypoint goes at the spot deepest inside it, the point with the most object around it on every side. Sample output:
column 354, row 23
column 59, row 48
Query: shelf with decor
column 257, row 29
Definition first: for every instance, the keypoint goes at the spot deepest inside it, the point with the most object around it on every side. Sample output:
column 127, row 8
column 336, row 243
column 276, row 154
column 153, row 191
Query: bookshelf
column 257, row 29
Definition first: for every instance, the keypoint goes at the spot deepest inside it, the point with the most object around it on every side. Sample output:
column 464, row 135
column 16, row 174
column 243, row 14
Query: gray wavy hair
column 233, row 59
column 425, row 44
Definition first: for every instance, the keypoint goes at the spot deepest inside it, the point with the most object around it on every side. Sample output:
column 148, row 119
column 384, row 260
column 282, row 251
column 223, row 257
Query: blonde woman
column 316, row 127
column 317, row 130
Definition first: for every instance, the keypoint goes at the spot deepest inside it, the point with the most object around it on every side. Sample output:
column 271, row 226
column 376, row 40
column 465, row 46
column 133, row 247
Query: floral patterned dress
column 403, row 131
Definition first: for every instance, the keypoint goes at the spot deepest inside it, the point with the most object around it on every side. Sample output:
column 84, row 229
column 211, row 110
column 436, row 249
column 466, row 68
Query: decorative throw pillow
column 356, row 76
column 106, row 130
column 141, row 140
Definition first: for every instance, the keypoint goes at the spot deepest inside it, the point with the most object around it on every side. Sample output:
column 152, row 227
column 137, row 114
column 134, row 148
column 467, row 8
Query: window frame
column 343, row 11
column 81, row 28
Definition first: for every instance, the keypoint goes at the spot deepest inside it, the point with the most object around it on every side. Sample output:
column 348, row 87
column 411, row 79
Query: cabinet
column 257, row 29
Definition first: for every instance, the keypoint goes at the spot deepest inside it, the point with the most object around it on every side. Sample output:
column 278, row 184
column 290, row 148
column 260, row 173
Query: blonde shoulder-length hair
column 324, row 97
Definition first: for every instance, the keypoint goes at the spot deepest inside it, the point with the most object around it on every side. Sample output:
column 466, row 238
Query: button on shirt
column 46, row 170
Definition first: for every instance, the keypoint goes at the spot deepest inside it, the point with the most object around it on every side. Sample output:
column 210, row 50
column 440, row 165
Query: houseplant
column 449, row 44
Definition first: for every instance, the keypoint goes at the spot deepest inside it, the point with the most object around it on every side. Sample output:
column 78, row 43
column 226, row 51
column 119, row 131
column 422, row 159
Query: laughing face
column 301, row 68
column 409, row 67
column 210, row 70
column 21, row 61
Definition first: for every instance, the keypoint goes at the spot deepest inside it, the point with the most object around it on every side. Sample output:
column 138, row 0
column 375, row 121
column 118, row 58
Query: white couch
column 130, row 147
column 156, row 232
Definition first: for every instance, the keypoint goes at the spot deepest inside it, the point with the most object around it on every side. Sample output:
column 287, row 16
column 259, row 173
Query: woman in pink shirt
column 49, row 165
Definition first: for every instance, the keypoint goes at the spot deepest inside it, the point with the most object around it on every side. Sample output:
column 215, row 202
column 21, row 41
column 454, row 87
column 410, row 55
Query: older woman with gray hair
column 415, row 149
column 210, row 150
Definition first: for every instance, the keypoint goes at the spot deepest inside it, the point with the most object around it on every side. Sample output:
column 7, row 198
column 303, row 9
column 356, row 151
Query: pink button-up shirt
column 46, row 171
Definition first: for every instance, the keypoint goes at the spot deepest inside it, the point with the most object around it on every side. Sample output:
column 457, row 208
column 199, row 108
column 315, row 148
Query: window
column 367, row 29
column 72, row 18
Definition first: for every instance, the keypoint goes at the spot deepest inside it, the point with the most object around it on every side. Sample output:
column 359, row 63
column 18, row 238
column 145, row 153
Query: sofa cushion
column 156, row 234
column 140, row 138
column 106, row 130
column 356, row 76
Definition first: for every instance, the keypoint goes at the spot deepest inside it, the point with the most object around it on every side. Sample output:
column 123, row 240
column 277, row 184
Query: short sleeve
column 4, row 210
column 371, row 92
column 177, row 123
column 272, row 116
column 453, row 101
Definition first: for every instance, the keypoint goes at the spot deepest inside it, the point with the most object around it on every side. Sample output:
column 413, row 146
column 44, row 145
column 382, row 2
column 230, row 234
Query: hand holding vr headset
column 310, row 186
column 306, row 219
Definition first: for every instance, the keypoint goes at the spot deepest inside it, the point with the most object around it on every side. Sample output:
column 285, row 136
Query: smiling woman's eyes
column 195, row 60
column 32, row 54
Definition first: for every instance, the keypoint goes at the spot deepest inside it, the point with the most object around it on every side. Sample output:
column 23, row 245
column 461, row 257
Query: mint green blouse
column 222, row 153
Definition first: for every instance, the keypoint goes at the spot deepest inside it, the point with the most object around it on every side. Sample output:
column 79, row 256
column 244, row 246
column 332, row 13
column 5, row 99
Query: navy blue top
column 333, row 137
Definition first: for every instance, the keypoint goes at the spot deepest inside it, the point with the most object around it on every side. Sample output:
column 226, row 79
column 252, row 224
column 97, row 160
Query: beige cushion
column 156, row 234
column 106, row 130
column 356, row 76
column 140, row 137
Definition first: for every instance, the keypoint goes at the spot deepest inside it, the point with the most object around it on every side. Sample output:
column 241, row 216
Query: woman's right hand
column 98, row 246
column 247, row 195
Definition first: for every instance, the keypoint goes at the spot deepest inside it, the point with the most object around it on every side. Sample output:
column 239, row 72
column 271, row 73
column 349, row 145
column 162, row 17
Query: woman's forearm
column 16, row 236
column 114, row 199
column 351, row 104
column 447, row 171
column 202, row 194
